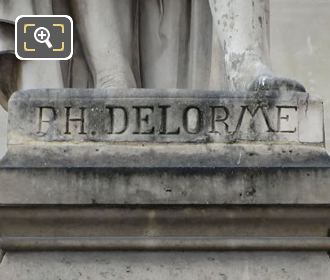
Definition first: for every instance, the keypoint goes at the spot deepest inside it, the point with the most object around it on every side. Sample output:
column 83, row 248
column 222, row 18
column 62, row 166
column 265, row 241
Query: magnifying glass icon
column 41, row 35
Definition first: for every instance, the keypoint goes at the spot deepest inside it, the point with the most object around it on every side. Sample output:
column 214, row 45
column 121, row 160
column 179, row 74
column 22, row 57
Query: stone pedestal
column 168, row 184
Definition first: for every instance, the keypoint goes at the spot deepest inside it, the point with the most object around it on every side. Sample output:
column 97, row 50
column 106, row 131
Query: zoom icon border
column 43, row 37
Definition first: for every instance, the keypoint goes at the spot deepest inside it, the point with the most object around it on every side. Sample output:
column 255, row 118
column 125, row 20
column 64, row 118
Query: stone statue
column 194, row 44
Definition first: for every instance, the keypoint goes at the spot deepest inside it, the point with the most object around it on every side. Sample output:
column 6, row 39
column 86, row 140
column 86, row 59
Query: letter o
column 192, row 120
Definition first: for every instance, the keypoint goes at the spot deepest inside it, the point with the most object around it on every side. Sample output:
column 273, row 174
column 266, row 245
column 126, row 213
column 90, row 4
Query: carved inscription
column 145, row 116
column 153, row 121
column 80, row 120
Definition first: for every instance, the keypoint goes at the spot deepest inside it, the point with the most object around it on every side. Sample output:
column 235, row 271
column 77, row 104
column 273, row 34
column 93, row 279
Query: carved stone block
column 164, row 116
column 141, row 146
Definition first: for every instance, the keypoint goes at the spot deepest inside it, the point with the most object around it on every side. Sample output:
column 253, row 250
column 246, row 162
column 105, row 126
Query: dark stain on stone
column 250, row 191
column 223, row 276
column 168, row 190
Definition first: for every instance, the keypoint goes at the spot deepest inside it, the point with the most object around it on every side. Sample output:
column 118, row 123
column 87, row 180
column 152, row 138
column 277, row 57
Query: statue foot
column 264, row 83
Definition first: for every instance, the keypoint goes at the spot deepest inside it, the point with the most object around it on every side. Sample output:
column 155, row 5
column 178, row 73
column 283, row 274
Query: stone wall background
column 300, row 49
column 300, row 46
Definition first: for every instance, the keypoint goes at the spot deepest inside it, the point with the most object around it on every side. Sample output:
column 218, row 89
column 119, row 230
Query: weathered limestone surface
column 155, row 265
column 164, row 116
column 173, row 146
column 171, row 172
